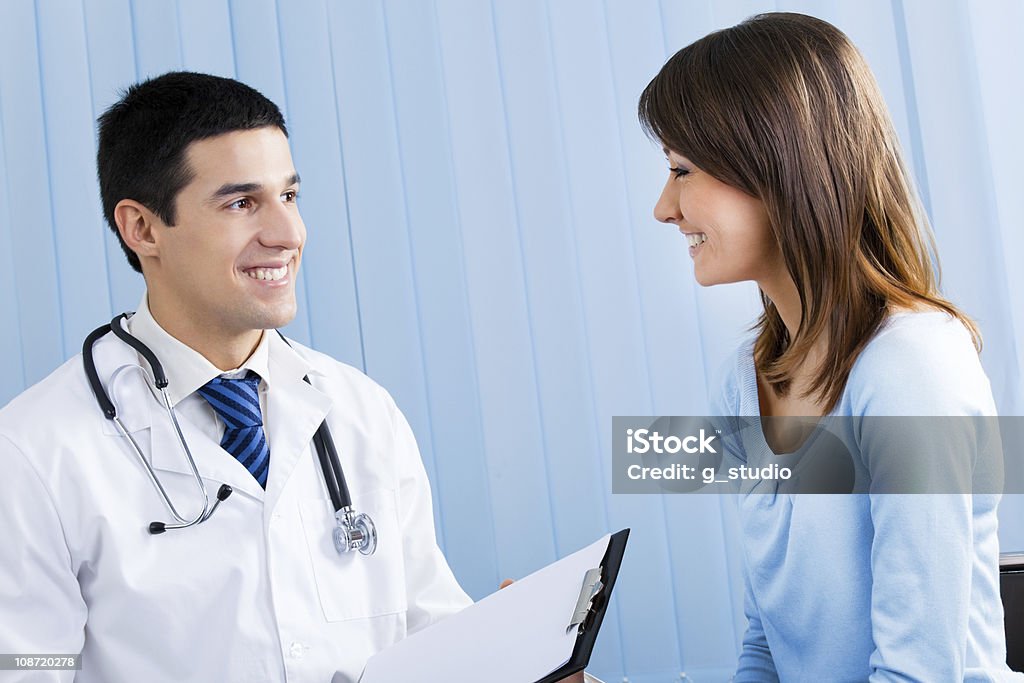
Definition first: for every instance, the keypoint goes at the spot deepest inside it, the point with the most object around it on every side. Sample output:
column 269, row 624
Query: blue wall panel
column 548, row 242
column 377, row 211
column 30, row 210
column 993, row 27
column 1001, row 96
column 158, row 44
column 330, row 286
column 498, row 305
column 12, row 369
column 478, row 198
column 964, row 220
column 207, row 43
column 70, row 152
column 620, row 363
column 449, row 358
column 112, row 67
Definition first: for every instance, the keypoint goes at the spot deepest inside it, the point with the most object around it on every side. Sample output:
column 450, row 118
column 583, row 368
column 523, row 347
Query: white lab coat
column 258, row 592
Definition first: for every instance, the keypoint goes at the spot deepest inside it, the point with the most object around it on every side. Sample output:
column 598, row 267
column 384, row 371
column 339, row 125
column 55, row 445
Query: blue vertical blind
column 478, row 196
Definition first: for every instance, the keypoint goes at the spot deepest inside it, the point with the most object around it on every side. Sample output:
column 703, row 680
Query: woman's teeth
column 696, row 238
column 267, row 273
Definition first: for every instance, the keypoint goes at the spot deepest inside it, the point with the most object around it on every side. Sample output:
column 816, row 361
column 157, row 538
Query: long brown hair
column 784, row 108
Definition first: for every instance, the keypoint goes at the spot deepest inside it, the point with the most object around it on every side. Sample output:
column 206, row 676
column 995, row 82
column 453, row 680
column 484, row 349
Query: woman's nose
column 667, row 208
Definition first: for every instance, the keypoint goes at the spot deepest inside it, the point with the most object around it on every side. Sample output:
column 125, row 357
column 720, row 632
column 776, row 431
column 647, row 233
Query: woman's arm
column 755, row 664
column 921, row 559
column 923, row 546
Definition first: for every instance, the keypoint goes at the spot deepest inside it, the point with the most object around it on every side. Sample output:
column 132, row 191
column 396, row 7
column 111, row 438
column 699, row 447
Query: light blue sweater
column 892, row 587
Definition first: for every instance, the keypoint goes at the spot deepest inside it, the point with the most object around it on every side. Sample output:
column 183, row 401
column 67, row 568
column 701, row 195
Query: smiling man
column 198, row 183
column 223, row 269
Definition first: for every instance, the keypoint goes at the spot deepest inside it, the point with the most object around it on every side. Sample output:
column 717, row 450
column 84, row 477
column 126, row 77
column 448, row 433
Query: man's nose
column 283, row 229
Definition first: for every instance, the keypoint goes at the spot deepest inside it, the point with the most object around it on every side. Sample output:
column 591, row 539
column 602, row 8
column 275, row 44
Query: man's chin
column 271, row 319
column 276, row 323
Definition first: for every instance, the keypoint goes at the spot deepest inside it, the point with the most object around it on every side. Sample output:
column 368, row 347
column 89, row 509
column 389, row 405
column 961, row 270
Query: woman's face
column 728, row 231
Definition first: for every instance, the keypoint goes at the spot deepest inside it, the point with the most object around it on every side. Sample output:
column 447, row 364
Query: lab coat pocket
column 353, row 585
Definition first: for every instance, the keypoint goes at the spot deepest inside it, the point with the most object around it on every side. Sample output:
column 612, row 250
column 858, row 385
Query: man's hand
column 575, row 678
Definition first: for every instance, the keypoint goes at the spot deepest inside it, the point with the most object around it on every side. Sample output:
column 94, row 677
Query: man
column 198, row 182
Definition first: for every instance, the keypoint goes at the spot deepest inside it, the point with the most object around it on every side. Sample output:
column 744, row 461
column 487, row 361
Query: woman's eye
column 243, row 203
column 679, row 172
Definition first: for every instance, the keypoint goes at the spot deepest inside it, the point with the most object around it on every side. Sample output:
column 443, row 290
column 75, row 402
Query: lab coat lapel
column 215, row 465
column 140, row 411
column 295, row 410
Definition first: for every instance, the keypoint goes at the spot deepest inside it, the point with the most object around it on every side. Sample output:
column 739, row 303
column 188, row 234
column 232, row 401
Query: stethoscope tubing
column 110, row 411
column 327, row 454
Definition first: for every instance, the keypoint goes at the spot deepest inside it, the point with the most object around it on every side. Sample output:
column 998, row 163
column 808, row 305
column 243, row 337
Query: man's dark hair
column 144, row 135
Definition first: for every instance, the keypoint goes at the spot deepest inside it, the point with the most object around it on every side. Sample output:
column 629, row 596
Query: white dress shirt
column 188, row 370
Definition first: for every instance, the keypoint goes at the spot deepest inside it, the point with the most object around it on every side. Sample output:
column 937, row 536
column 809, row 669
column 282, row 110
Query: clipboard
column 541, row 628
column 598, row 605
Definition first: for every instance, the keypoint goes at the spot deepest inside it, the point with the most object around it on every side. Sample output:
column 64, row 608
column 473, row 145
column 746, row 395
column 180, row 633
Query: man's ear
column 136, row 225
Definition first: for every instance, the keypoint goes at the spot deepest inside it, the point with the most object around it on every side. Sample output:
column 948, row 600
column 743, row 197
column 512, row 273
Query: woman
column 785, row 170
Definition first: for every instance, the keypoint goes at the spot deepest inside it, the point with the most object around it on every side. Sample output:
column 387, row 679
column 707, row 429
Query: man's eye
column 243, row 203
column 290, row 195
column 679, row 172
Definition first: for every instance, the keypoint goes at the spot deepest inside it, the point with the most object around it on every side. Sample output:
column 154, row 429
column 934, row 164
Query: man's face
column 230, row 262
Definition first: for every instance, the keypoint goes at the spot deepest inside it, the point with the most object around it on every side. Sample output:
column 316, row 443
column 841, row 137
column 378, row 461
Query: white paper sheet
column 515, row 635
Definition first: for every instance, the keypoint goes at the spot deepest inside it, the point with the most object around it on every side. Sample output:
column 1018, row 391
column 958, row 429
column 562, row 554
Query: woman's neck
column 782, row 292
column 784, row 295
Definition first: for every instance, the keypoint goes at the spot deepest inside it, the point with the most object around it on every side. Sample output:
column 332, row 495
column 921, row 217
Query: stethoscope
column 352, row 531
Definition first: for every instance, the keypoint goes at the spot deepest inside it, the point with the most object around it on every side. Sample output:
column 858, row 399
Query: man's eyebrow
column 228, row 189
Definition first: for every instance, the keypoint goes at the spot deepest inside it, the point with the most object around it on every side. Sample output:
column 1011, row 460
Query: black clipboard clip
column 591, row 607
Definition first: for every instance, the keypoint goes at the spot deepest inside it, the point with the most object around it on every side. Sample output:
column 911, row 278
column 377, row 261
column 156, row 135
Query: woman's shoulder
column 905, row 335
column 919, row 363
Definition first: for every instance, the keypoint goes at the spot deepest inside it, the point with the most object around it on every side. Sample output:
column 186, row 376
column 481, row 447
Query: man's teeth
column 696, row 238
column 267, row 273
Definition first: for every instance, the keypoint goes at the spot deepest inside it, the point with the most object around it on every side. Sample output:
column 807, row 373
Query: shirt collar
column 186, row 368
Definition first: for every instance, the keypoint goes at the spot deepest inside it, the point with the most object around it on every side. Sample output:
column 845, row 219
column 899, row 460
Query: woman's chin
column 705, row 279
column 708, row 277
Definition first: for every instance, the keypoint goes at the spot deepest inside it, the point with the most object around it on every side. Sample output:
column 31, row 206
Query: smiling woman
column 785, row 171
column 783, row 152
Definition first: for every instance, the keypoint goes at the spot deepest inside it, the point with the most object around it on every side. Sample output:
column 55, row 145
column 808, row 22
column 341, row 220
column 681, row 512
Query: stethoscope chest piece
column 354, row 532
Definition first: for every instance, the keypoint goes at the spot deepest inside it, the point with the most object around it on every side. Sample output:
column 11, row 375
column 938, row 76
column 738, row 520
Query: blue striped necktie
column 237, row 402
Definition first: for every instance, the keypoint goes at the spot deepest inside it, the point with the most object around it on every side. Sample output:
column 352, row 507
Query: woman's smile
column 696, row 241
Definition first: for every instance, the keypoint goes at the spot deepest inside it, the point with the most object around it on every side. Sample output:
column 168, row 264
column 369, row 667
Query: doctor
column 198, row 182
